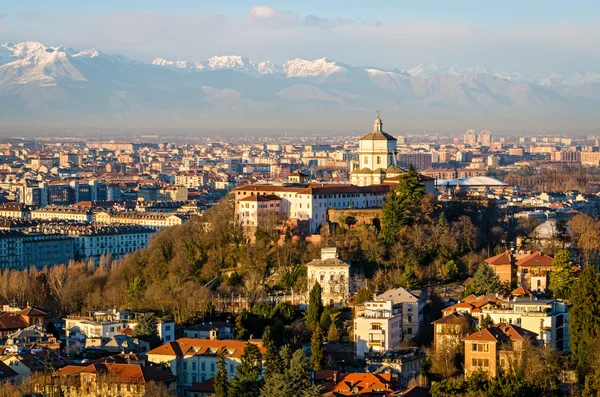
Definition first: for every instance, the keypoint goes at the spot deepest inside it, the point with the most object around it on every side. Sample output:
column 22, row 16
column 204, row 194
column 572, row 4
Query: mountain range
column 53, row 83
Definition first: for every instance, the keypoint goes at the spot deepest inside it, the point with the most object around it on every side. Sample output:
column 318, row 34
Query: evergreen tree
column 315, row 306
column 584, row 320
column 485, row 281
column 561, row 277
column 316, row 350
column 486, row 322
column 146, row 329
column 333, row 335
column 272, row 358
column 285, row 355
column 299, row 372
column 247, row 381
column 401, row 205
column 240, row 325
column 408, row 279
column 221, row 379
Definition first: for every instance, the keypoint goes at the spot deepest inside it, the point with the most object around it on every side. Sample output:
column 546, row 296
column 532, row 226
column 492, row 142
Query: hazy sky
column 525, row 36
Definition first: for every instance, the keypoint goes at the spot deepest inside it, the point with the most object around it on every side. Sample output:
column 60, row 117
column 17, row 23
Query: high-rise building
column 470, row 138
column 485, row 138
column 419, row 160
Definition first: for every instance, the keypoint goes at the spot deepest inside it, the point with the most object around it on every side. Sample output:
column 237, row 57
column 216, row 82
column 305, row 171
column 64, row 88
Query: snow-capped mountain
column 56, row 82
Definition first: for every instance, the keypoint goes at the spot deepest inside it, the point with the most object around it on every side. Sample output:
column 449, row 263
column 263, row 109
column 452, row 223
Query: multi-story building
column 14, row 210
column 42, row 250
column 106, row 379
column 419, row 160
column 547, row 318
column 57, row 212
column 11, row 249
column 470, row 138
column 153, row 220
column 485, row 138
column 212, row 330
column 449, row 330
column 377, row 327
column 91, row 242
column 191, row 180
column 259, row 210
column 410, row 304
column 494, row 348
column 332, row 274
column 377, row 157
column 194, row 360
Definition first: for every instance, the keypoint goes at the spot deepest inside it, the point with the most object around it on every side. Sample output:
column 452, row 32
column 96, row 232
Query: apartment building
column 332, row 274
column 107, row 379
column 14, row 210
column 410, row 304
column 191, row 180
column 194, row 360
column 58, row 212
column 153, row 220
column 494, row 348
column 377, row 327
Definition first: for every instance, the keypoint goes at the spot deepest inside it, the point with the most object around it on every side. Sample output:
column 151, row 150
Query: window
column 410, row 319
column 203, row 366
column 212, row 367
column 366, row 160
column 409, row 331
column 231, row 368
column 378, row 159
column 376, row 327
column 194, row 366
column 184, row 365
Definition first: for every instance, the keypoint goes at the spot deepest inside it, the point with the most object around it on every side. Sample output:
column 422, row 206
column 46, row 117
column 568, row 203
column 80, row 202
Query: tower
column 377, row 156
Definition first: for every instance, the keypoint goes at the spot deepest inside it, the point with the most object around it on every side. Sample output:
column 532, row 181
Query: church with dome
column 377, row 158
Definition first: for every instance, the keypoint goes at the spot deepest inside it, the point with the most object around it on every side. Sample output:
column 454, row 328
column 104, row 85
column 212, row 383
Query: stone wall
column 355, row 217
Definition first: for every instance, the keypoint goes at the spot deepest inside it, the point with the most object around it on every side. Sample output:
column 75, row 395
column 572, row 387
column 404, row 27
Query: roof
column 124, row 373
column 365, row 383
column 206, row 386
column 327, row 262
column 454, row 318
column 6, row 372
column 378, row 136
column 520, row 291
column 501, row 333
column 416, row 391
column 536, row 259
column 200, row 347
column 500, row 259
column 32, row 312
column 398, row 295
column 10, row 321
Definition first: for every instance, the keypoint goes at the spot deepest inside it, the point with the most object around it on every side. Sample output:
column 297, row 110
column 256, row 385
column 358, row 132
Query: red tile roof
column 12, row 322
column 500, row 259
column 200, row 347
column 536, row 259
column 361, row 384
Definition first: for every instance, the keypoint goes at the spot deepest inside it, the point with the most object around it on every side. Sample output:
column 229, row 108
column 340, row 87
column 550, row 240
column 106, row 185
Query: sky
column 531, row 36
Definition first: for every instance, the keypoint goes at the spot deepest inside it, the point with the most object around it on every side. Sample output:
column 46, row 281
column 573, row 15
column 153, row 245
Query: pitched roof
column 124, row 373
column 378, row 136
column 365, row 383
column 6, row 372
column 32, row 312
column 501, row 333
column 200, row 347
column 520, row 291
column 454, row 318
column 536, row 259
column 398, row 295
column 10, row 321
column 500, row 259
column 207, row 386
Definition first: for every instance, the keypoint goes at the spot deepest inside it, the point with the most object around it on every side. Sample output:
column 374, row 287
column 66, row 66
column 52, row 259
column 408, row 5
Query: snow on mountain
column 36, row 79
column 317, row 68
column 33, row 61
column 165, row 63
column 233, row 62
column 421, row 70
column 269, row 68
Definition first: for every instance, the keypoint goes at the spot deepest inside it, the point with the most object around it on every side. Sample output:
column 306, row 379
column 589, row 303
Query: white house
column 411, row 304
column 333, row 274
column 377, row 327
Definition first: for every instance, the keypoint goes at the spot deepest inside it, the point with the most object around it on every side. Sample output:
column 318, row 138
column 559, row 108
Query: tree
column 299, row 372
column 316, row 350
column 561, row 277
column 221, row 379
column 408, row 279
column 315, row 306
column 247, row 380
column 363, row 295
column 486, row 322
column 153, row 389
column 240, row 325
column 401, row 205
column 333, row 335
column 485, row 281
column 451, row 271
column 272, row 359
column 146, row 329
column 584, row 320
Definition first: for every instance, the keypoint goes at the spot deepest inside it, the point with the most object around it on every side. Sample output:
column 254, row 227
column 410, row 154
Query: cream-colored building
column 334, row 276
column 377, row 327
column 154, row 220
column 194, row 360
column 410, row 304
column 377, row 157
